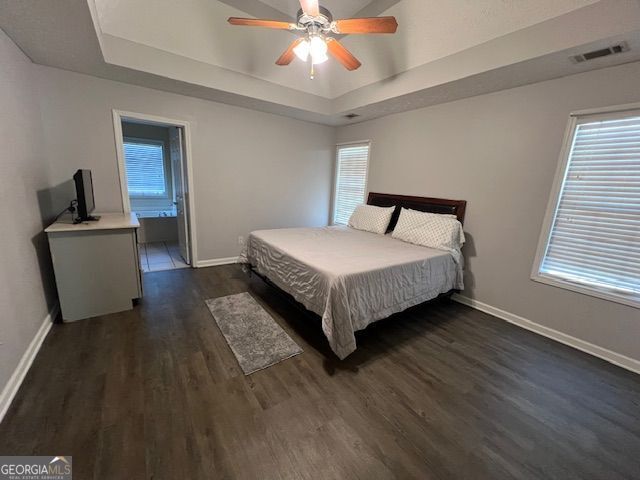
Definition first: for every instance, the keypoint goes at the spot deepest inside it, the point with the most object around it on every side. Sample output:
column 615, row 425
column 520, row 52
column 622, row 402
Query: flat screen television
column 84, row 196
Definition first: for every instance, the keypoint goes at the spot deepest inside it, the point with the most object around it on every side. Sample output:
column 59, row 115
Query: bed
column 352, row 278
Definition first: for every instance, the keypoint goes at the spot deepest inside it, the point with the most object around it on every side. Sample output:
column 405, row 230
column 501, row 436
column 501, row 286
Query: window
column 147, row 175
column 352, row 163
column 591, row 239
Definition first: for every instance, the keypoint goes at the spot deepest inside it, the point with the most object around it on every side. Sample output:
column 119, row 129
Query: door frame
column 187, row 165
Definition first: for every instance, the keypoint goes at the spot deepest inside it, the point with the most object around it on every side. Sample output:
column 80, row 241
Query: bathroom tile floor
column 158, row 256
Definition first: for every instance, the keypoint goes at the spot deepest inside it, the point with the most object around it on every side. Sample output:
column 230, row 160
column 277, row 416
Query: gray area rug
column 255, row 338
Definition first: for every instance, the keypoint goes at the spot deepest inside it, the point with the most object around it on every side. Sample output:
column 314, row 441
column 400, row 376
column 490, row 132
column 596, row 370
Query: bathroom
column 152, row 158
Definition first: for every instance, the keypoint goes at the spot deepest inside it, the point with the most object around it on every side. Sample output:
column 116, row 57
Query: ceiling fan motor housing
column 323, row 20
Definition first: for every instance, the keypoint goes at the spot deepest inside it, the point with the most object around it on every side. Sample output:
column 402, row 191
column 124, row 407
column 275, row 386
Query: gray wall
column 499, row 152
column 158, row 229
column 26, row 286
column 251, row 169
column 140, row 130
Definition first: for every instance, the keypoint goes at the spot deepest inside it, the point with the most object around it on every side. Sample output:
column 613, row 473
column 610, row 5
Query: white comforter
column 349, row 277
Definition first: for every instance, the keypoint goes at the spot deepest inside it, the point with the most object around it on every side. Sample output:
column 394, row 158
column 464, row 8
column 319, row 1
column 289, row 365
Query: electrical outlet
column 241, row 240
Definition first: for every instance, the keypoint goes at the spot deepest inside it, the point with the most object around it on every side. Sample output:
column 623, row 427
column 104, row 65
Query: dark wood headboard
column 423, row 204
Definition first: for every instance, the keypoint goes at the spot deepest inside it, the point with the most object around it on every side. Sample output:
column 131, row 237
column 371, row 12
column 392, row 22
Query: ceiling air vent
column 603, row 52
column 351, row 115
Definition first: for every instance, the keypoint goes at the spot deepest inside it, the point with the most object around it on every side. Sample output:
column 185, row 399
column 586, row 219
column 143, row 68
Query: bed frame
column 423, row 204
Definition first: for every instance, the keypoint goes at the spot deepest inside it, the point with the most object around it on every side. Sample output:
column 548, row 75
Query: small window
column 147, row 175
column 591, row 239
column 352, row 164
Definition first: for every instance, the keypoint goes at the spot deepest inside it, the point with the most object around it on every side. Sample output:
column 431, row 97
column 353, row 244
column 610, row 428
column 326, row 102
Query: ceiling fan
column 317, row 24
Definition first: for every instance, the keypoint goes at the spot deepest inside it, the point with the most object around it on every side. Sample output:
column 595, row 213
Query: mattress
column 349, row 277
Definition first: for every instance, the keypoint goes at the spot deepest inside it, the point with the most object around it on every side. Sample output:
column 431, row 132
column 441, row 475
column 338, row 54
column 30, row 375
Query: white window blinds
column 594, row 238
column 145, row 168
column 351, row 180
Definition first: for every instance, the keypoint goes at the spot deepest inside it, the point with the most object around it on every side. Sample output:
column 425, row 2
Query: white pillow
column 371, row 219
column 433, row 230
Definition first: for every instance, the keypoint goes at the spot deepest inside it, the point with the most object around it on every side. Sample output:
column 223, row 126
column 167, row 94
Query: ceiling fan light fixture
column 318, row 50
column 302, row 50
column 315, row 47
column 318, row 59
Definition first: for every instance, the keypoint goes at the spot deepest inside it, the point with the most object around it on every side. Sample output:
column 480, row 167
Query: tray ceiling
column 429, row 30
column 442, row 51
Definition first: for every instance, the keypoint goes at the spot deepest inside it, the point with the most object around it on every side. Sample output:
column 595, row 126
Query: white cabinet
column 96, row 265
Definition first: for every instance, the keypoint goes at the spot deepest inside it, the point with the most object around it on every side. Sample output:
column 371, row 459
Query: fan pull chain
column 312, row 74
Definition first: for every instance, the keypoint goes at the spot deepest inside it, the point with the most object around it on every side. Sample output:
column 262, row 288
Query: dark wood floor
column 440, row 391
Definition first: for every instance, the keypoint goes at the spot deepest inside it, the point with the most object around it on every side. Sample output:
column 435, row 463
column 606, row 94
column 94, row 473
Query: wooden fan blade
column 344, row 56
column 310, row 7
column 367, row 25
column 258, row 22
column 287, row 57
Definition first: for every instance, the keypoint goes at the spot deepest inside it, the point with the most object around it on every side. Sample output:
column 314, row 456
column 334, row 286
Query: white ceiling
column 433, row 29
column 443, row 50
column 338, row 8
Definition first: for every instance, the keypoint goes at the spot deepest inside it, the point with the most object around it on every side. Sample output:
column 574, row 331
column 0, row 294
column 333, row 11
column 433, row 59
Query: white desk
column 96, row 265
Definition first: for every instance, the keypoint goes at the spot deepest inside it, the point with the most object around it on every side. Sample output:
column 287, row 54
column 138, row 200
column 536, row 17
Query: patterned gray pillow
column 433, row 230
column 371, row 219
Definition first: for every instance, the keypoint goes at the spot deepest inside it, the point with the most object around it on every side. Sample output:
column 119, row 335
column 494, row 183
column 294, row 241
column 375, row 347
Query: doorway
column 155, row 182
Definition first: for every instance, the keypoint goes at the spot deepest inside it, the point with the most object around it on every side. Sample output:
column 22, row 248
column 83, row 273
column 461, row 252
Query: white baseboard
column 13, row 385
column 213, row 262
column 612, row 357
